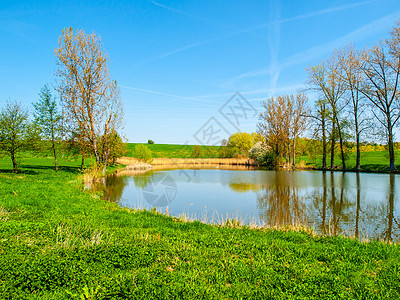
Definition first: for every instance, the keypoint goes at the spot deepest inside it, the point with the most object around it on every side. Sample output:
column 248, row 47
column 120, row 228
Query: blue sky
column 179, row 62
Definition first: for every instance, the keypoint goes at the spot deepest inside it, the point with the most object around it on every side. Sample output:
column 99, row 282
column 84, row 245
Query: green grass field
column 60, row 241
column 373, row 161
column 173, row 151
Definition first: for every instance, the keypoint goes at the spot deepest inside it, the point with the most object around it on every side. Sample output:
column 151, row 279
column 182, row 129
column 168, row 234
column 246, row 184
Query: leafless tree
column 90, row 98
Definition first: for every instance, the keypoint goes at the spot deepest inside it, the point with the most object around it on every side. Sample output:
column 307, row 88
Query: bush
column 150, row 142
column 142, row 153
column 196, row 152
column 263, row 155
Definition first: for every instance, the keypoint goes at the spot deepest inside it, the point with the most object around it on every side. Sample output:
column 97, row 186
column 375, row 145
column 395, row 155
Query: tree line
column 358, row 98
column 87, row 117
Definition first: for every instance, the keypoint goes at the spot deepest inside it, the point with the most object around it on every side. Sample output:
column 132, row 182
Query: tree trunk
column 323, row 145
column 392, row 166
column 358, row 151
column 341, row 148
column 14, row 162
column 294, row 152
column 83, row 161
column 55, row 155
column 333, row 147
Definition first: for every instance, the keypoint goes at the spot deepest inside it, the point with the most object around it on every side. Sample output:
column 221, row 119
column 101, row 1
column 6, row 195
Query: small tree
column 196, row 152
column 16, row 133
column 150, row 142
column 117, row 146
column 241, row 140
column 142, row 153
column 48, row 118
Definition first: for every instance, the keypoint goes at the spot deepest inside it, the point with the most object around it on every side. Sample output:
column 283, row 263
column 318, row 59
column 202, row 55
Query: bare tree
column 90, row 98
column 326, row 78
column 299, row 120
column 381, row 66
column 284, row 119
column 349, row 60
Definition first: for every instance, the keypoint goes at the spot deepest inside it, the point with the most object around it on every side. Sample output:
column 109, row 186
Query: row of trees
column 91, row 113
column 354, row 88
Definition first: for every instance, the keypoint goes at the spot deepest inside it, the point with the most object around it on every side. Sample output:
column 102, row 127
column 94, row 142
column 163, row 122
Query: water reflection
column 359, row 205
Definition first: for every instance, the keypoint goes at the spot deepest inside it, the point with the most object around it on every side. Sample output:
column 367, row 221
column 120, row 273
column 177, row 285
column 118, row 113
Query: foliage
column 16, row 132
column 150, row 142
column 117, row 147
column 263, row 155
column 90, row 99
column 196, row 152
column 143, row 153
column 49, row 120
column 242, row 141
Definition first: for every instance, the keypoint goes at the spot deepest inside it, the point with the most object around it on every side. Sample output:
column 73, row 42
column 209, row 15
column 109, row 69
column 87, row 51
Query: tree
column 326, row 78
column 90, row 98
column 349, row 60
column 242, row 141
column 16, row 133
column 142, row 153
column 284, row 119
column 381, row 67
column 48, row 118
column 196, row 152
column 117, row 146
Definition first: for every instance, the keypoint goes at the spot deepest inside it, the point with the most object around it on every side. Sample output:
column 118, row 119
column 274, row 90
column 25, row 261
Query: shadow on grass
column 69, row 169
column 32, row 169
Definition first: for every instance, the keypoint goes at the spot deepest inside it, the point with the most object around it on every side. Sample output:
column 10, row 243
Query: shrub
column 196, row 151
column 263, row 155
column 150, row 142
column 142, row 153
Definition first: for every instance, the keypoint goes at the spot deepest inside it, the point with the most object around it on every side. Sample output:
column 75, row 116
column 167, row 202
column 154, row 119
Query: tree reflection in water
column 280, row 203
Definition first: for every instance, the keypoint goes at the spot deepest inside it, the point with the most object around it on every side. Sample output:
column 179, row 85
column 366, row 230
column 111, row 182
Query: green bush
column 142, row 153
column 150, row 142
column 263, row 155
column 196, row 152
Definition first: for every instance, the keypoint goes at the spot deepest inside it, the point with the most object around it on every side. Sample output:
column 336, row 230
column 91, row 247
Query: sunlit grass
column 60, row 241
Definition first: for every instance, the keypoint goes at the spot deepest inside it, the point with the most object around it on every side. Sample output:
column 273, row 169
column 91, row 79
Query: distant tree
column 90, row 98
column 242, row 141
column 196, row 152
column 381, row 67
column 16, row 132
column 49, row 120
column 142, row 153
column 150, row 142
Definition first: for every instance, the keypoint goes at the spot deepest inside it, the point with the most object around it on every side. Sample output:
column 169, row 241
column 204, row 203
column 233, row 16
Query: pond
column 358, row 205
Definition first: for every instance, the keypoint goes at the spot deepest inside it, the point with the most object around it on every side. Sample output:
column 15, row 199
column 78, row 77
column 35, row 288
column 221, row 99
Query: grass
column 372, row 161
column 60, row 241
column 173, row 151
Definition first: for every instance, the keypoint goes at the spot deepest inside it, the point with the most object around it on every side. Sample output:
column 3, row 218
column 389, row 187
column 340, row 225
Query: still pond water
column 358, row 205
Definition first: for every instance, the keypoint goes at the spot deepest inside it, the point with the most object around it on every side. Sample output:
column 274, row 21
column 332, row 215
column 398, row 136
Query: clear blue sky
column 178, row 62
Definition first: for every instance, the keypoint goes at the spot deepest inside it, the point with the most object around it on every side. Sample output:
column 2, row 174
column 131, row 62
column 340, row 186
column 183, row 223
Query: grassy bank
column 372, row 161
column 58, row 241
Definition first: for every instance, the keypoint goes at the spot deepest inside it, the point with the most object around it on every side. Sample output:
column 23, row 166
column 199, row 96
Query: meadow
column 371, row 161
column 59, row 240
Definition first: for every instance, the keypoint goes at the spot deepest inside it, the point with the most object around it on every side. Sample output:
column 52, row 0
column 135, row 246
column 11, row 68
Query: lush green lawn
column 174, row 151
column 59, row 241
column 373, row 161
